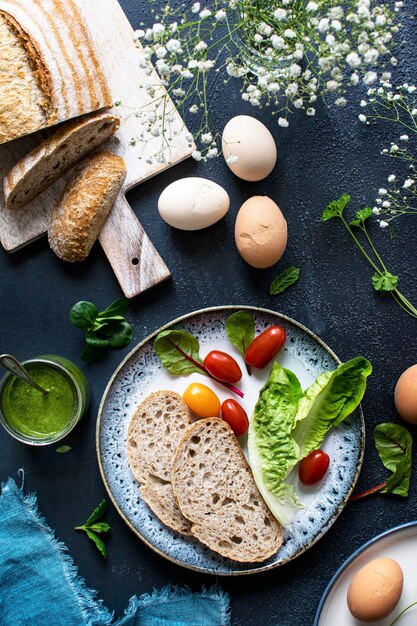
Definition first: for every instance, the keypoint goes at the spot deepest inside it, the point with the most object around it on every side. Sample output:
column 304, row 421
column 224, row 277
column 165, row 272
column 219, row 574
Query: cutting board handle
column 132, row 255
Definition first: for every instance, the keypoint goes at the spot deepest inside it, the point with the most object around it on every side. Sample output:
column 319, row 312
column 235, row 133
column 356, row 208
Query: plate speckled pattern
column 141, row 373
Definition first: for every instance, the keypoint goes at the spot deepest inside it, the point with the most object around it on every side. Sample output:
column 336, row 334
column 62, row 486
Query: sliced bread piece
column 153, row 434
column 216, row 491
column 56, row 155
column 85, row 205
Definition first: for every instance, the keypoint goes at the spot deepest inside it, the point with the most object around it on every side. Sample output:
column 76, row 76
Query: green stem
column 402, row 613
column 361, row 248
column 373, row 248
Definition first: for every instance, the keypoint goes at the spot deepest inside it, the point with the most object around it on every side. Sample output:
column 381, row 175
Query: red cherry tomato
column 313, row 467
column 222, row 366
column 234, row 415
column 201, row 400
column 265, row 346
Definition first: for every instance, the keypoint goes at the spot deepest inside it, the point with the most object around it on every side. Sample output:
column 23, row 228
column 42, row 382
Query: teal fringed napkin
column 39, row 583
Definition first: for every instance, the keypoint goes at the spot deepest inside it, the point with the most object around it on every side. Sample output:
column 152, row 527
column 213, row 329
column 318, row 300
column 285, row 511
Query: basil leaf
column 96, row 342
column 240, row 329
column 284, row 280
column 97, row 513
column 335, row 208
column 63, row 449
column 118, row 307
column 99, row 543
column 384, row 282
column 394, row 445
column 179, row 352
column 83, row 314
column 100, row 527
column 122, row 335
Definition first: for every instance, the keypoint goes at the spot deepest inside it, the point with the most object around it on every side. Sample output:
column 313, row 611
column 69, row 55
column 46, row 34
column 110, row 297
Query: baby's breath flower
column 283, row 122
column 391, row 178
column 362, row 118
column 383, row 224
column 197, row 155
column 207, row 138
column 408, row 183
column 205, row 13
column 220, row 16
column 231, row 159
column 196, row 7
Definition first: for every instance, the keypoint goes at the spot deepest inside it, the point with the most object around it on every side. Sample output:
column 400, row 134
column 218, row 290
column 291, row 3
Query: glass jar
column 31, row 417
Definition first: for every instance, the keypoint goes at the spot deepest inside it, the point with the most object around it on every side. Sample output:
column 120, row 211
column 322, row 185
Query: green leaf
column 83, row 314
column 361, row 217
column 179, row 352
column 95, row 342
column 63, row 449
column 284, row 280
column 385, row 281
column 100, row 527
column 91, row 354
column 97, row 513
column 240, row 329
column 122, row 335
column 335, row 208
column 117, row 308
column 99, row 543
column 394, row 446
column 328, row 401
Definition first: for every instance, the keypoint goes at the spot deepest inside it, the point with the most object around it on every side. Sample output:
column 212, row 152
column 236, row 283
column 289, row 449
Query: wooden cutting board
column 135, row 262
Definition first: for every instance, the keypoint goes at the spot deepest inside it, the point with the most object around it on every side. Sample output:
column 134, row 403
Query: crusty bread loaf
column 87, row 201
column 216, row 491
column 56, row 155
column 153, row 434
column 25, row 104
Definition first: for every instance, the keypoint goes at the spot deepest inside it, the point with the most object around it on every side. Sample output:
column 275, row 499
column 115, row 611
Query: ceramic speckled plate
column 399, row 543
column 141, row 373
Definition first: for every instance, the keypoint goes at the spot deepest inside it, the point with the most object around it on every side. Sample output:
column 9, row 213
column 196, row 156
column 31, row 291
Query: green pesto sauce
column 31, row 413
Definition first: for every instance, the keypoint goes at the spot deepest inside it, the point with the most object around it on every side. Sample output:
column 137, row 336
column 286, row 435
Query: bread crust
column 151, row 439
column 56, row 155
column 216, row 491
column 87, row 201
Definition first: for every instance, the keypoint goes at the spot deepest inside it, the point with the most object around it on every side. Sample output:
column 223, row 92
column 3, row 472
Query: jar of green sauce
column 34, row 418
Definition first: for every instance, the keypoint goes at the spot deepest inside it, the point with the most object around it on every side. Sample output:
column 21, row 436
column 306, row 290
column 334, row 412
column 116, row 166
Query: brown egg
column 375, row 590
column 405, row 395
column 260, row 232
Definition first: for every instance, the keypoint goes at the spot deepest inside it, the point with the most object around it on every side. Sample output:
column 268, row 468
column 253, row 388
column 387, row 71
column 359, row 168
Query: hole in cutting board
column 135, row 261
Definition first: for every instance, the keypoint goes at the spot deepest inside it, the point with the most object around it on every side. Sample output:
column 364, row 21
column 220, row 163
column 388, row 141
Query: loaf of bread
column 87, row 201
column 54, row 156
column 216, row 491
column 50, row 70
column 25, row 102
column 153, row 434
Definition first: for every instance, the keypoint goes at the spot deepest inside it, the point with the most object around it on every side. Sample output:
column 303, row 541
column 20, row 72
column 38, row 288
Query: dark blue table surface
column 318, row 159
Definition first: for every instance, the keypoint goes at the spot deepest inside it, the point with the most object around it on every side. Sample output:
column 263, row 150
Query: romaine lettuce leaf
column 331, row 398
column 272, row 450
column 287, row 425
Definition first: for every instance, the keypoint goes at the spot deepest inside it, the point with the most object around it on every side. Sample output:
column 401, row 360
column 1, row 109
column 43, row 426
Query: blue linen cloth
column 39, row 583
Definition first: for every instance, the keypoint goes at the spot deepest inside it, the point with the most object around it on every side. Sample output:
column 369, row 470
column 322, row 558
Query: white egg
column 193, row 203
column 249, row 148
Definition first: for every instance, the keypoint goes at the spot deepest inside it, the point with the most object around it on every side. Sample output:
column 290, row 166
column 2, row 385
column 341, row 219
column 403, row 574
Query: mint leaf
column 284, row 280
column 385, row 281
column 335, row 208
column 99, row 543
column 63, row 449
column 361, row 217
column 97, row 513
column 100, row 527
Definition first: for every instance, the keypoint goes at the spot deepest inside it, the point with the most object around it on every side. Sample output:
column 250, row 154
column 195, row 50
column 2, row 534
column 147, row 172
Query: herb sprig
column 382, row 279
column 104, row 329
column 93, row 527
column 284, row 280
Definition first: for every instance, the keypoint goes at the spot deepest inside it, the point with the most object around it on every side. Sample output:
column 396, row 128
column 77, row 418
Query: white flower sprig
column 286, row 53
column 399, row 106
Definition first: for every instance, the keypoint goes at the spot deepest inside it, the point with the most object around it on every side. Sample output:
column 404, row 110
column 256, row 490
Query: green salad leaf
column 394, row 445
column 179, row 352
column 288, row 424
column 240, row 329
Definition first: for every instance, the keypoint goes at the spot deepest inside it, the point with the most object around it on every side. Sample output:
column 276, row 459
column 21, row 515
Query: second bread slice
column 216, row 491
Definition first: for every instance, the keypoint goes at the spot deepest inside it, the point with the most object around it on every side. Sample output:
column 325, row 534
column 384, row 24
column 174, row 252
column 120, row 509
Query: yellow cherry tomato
column 201, row 400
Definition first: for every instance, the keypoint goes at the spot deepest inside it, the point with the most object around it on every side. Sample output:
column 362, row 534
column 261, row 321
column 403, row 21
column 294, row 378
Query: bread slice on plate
column 216, row 491
column 56, row 155
column 153, row 434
